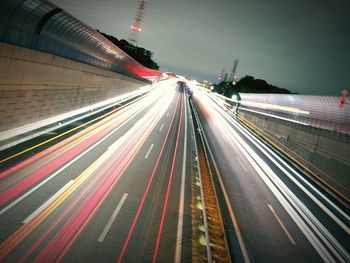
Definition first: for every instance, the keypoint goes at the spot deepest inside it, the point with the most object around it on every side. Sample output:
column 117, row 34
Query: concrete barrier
column 35, row 85
column 328, row 151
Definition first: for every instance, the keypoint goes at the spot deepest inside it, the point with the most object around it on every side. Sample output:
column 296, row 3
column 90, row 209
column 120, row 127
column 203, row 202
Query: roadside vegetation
column 140, row 54
column 247, row 84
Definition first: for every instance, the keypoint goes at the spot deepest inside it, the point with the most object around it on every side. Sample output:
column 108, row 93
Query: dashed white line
column 167, row 114
column 282, row 225
column 161, row 127
column 15, row 202
column 47, row 203
column 149, row 151
column 240, row 162
column 112, row 218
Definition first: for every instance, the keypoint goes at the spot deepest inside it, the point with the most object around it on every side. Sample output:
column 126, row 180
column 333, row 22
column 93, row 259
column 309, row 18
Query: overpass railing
column 40, row 25
column 316, row 111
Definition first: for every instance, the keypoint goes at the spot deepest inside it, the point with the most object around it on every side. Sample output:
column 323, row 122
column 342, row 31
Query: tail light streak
column 168, row 188
column 100, row 184
column 145, row 194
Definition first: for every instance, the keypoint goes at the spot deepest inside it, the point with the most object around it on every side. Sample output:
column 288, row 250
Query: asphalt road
column 117, row 191
column 277, row 213
column 120, row 191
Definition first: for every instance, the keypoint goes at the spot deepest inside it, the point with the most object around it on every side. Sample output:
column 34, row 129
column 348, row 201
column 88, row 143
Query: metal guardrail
column 40, row 25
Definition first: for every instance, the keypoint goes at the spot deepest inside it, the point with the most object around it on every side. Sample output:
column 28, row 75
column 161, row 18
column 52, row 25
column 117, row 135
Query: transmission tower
column 136, row 27
column 233, row 73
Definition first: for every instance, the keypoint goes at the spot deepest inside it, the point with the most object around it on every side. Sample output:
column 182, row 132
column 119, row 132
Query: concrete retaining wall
column 328, row 150
column 36, row 85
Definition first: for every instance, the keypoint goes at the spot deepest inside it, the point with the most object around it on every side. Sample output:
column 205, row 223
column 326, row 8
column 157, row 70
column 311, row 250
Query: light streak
column 90, row 135
column 146, row 190
column 47, row 203
column 321, row 239
column 273, row 107
column 26, row 128
column 265, row 105
column 72, row 229
column 269, row 154
column 97, row 188
column 160, row 230
column 182, row 192
column 64, row 167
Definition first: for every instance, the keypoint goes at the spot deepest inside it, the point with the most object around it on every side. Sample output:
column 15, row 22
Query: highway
column 276, row 213
column 117, row 191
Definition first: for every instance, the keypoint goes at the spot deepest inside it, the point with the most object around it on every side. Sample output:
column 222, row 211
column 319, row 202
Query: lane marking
column 66, row 132
column 10, row 243
column 149, row 151
column 320, row 237
column 282, row 225
column 241, row 163
column 131, row 153
column 161, row 225
column 288, row 167
column 161, row 127
column 47, row 203
column 332, row 215
column 15, row 202
column 167, row 114
column 145, row 194
column 182, row 195
column 301, row 215
column 112, row 218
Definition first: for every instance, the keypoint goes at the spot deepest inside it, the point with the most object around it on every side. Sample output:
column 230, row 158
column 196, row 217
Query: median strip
column 207, row 224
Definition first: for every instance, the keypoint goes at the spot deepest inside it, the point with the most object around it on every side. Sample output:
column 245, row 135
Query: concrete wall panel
column 329, row 151
column 35, row 85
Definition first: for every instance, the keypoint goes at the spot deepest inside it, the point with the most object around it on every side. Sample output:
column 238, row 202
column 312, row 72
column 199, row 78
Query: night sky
column 300, row 45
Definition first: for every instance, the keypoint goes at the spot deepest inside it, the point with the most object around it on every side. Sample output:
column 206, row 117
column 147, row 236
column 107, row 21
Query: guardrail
column 40, row 25
column 215, row 240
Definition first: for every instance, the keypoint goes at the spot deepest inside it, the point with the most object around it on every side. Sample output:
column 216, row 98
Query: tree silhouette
column 140, row 54
column 247, row 84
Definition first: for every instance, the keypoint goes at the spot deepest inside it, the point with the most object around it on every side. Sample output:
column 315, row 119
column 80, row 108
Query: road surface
column 281, row 215
column 115, row 192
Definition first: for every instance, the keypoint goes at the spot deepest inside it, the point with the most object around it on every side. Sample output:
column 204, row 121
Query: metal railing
column 316, row 111
column 40, row 25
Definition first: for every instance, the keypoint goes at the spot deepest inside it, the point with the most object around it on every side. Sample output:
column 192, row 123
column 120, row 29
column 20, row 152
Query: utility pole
column 233, row 76
column 136, row 27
